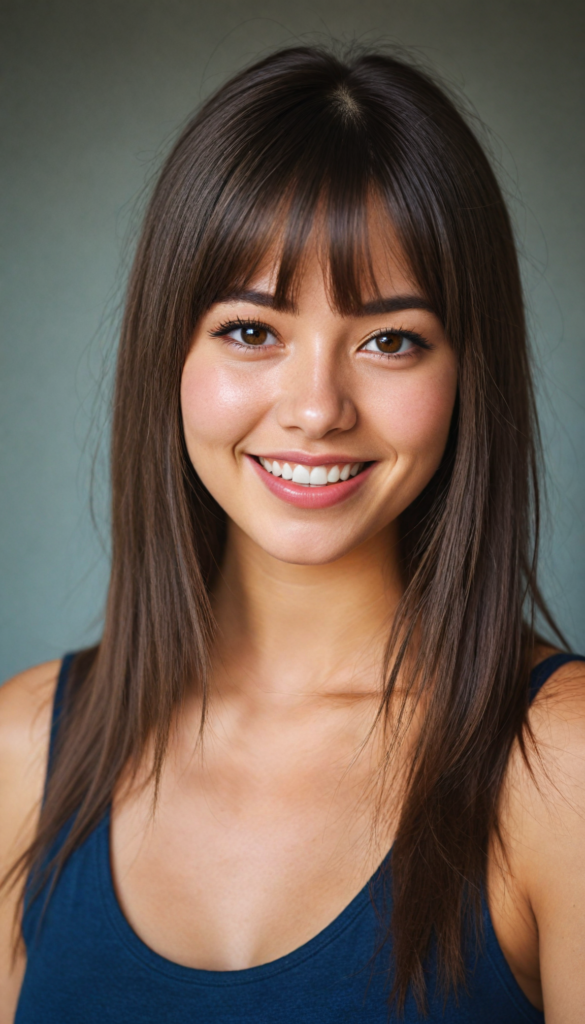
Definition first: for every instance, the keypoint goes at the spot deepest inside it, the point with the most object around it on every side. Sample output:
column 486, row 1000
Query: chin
column 306, row 546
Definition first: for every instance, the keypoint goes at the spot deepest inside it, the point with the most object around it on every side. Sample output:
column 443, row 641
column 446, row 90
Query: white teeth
column 307, row 476
column 318, row 476
column 301, row 475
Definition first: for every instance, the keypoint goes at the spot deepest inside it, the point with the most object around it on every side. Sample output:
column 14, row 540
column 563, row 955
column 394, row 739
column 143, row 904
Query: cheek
column 218, row 407
column 415, row 422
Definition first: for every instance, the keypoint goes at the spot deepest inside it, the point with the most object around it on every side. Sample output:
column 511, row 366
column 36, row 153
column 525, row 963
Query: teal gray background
column 92, row 95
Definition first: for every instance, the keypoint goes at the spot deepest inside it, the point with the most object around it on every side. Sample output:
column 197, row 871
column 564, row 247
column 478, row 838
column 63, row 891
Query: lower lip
column 310, row 497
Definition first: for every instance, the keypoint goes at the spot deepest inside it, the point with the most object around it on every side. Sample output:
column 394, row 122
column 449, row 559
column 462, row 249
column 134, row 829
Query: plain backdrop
column 92, row 95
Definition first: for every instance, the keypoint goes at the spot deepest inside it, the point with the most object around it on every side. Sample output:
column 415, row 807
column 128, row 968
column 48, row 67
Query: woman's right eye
column 251, row 335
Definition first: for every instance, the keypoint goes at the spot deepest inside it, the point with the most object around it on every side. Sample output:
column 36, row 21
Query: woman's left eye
column 390, row 343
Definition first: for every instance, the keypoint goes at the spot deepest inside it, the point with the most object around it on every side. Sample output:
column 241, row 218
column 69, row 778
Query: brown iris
column 254, row 335
column 389, row 342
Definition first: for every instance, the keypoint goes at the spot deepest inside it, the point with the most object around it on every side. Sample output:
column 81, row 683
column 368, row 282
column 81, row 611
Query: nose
column 315, row 395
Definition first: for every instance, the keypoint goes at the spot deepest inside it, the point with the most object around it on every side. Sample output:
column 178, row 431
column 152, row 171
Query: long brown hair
column 300, row 134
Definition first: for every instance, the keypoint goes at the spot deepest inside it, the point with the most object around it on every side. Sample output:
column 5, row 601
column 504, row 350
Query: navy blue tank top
column 85, row 964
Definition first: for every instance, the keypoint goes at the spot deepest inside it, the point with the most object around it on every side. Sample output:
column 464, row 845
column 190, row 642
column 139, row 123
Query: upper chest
column 257, row 843
column 249, row 856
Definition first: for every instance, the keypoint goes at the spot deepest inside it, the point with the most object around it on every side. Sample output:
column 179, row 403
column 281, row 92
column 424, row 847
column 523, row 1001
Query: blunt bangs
column 327, row 164
column 327, row 200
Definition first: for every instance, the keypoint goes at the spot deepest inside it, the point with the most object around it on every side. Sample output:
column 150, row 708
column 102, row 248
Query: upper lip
column 329, row 459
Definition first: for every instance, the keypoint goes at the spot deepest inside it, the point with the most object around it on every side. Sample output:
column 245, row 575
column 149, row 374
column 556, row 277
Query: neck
column 301, row 630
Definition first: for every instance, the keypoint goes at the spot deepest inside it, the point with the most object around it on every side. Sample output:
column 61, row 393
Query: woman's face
column 314, row 430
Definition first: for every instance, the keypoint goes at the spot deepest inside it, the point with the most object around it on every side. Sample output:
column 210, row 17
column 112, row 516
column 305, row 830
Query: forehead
column 377, row 271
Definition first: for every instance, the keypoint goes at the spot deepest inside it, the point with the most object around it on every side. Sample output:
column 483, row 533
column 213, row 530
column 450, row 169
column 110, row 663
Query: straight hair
column 303, row 137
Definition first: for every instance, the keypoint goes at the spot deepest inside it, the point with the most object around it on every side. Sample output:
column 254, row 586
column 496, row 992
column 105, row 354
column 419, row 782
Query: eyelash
column 233, row 325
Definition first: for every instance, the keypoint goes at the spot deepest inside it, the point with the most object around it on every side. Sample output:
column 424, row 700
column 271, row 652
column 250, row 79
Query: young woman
column 319, row 641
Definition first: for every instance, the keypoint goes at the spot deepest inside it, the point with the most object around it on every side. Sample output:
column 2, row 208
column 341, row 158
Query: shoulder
column 26, row 703
column 547, row 798
column 556, row 732
column 537, row 888
column 545, row 791
column 25, row 723
column 557, row 723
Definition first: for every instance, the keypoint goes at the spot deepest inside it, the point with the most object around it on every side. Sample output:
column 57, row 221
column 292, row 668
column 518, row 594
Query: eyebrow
column 394, row 304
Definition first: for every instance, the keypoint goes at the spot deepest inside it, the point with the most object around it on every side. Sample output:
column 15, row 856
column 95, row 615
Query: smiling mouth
column 312, row 476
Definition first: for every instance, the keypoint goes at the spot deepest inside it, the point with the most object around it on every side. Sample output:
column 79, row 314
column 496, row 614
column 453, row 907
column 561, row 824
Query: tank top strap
column 34, row 901
column 544, row 670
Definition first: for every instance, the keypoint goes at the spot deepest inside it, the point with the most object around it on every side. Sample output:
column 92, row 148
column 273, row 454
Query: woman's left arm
column 550, row 843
